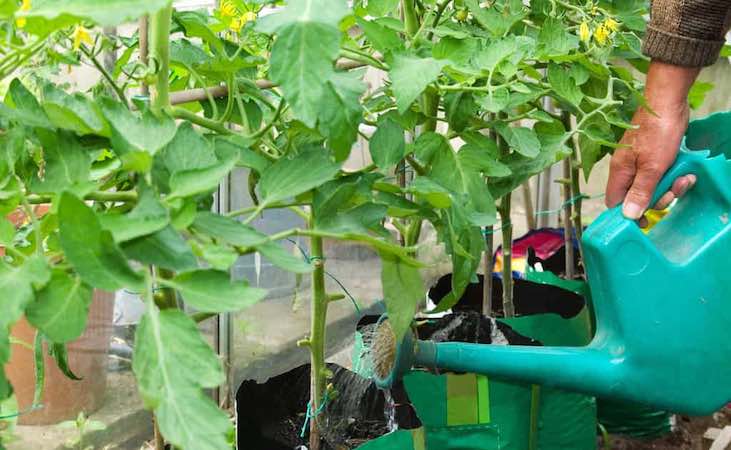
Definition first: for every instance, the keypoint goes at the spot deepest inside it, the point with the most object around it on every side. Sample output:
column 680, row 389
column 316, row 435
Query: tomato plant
column 479, row 97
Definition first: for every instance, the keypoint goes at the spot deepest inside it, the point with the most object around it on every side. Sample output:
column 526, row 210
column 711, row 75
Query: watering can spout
column 582, row 369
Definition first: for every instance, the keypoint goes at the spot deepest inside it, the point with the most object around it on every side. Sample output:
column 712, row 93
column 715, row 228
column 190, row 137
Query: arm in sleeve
column 687, row 33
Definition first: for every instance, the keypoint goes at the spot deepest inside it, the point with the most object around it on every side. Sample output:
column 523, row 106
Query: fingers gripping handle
column 686, row 163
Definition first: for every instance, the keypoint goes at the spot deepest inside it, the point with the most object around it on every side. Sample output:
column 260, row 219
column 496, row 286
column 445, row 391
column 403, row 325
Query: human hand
column 649, row 150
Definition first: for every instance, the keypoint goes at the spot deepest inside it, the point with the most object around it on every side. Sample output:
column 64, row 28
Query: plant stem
column 487, row 281
column 567, row 233
column 105, row 74
column 530, row 217
column 160, row 54
column 576, row 193
column 159, row 440
column 144, row 36
column 318, row 371
column 190, row 116
column 430, row 106
column 567, row 198
column 99, row 196
column 411, row 20
column 508, row 306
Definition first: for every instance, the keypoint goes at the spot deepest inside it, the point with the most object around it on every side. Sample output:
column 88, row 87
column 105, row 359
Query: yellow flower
column 611, row 24
column 237, row 23
column 584, row 32
column 601, row 34
column 21, row 21
column 81, row 35
column 228, row 9
column 249, row 16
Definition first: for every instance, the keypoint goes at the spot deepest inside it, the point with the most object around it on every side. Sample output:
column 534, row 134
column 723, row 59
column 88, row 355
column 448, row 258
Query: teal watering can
column 662, row 302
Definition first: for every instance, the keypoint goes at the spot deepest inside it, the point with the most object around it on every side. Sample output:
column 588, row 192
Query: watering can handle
column 687, row 162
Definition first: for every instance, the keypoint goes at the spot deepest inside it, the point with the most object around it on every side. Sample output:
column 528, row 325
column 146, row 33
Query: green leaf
column 522, row 140
column 22, row 107
column 67, row 165
column 302, row 56
column 220, row 257
column 247, row 157
column 378, row 8
column 213, row 291
column 199, row 181
column 698, row 92
column 235, row 233
column 495, row 101
column 458, row 51
column 460, row 108
column 554, row 39
column 17, row 285
column 497, row 21
column 428, row 144
column 172, row 363
column 90, row 249
column 387, row 145
column 59, row 353
column 430, row 191
column 466, row 183
column 228, row 230
column 7, row 232
column 284, row 259
column 131, row 132
column 564, row 85
column 73, row 112
column 165, row 248
column 108, row 13
column 383, row 39
column 410, row 75
column 61, row 308
column 341, row 112
column 403, row 289
column 290, row 177
column 482, row 159
column 359, row 219
column 147, row 217
column 496, row 52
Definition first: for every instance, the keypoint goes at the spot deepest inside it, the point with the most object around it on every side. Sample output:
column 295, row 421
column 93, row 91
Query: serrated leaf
column 228, row 230
column 199, row 181
column 220, row 257
column 521, row 139
column 378, row 8
column 495, row 101
column 73, row 112
column 284, row 259
column 430, row 191
column 428, row 144
column 131, row 132
column 381, row 38
column 341, row 112
column 90, row 249
column 466, row 183
column 213, row 291
column 403, row 289
column 482, row 159
column 564, row 85
column 164, row 248
column 172, row 363
column 148, row 216
column 17, row 283
column 66, row 167
column 410, row 75
column 61, row 307
column 106, row 14
column 554, row 39
column 362, row 218
column 387, row 145
column 290, row 177
column 22, row 107
column 497, row 21
column 302, row 56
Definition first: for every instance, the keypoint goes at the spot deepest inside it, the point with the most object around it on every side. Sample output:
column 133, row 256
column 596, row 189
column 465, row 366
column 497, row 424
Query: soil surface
column 688, row 435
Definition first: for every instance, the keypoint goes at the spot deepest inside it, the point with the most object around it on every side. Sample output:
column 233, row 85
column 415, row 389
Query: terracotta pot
column 63, row 398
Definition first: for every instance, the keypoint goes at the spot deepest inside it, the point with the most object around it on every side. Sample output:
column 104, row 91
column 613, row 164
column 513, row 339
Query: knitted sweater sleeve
column 687, row 33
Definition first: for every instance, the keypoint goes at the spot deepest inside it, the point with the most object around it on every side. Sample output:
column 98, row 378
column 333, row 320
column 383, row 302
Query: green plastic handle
column 685, row 163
